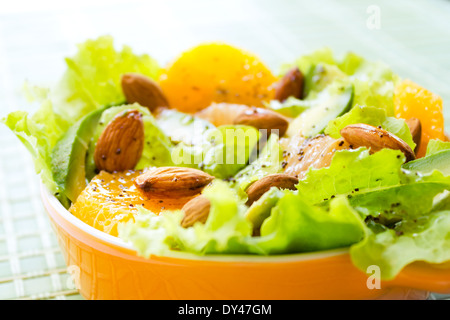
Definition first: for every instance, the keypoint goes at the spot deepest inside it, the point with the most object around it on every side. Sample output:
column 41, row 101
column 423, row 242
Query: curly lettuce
column 225, row 230
column 39, row 133
column 90, row 82
column 92, row 78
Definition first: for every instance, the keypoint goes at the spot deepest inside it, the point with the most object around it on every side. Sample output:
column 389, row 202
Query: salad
column 216, row 154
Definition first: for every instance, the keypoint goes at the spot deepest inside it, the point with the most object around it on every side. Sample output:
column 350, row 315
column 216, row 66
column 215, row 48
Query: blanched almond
column 172, row 182
column 195, row 210
column 143, row 90
column 375, row 139
column 121, row 143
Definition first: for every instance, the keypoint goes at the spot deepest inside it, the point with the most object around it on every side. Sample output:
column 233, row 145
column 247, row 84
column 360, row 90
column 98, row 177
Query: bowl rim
column 238, row 258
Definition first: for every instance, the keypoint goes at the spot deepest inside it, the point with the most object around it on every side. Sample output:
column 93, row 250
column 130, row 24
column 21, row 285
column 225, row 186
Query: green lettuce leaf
column 374, row 82
column 321, row 76
column 441, row 202
column 92, row 78
column 295, row 225
column 39, row 133
column 436, row 145
column 425, row 239
column 405, row 222
column 373, row 116
column 435, row 160
column 352, row 171
column 90, row 82
column 321, row 56
column 224, row 231
column 412, row 198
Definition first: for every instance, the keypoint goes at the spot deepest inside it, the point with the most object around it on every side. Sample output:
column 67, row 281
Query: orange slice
column 216, row 72
column 112, row 198
column 412, row 100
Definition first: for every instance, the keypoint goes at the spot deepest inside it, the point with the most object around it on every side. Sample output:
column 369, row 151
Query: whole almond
column 416, row 131
column 375, row 138
column 195, row 210
column 172, row 182
column 121, row 143
column 263, row 119
column 291, row 84
column 278, row 180
column 143, row 90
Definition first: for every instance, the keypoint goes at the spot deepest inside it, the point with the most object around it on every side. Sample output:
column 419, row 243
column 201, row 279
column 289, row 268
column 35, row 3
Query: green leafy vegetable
column 90, row 82
column 425, row 239
column 388, row 212
column 351, row 171
column 410, row 198
column 92, row 79
column 438, row 160
column 39, row 134
column 297, row 226
column 435, row 146
column 224, row 231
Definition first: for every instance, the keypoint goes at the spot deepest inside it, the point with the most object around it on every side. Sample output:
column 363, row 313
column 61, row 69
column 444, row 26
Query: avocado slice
column 329, row 104
column 69, row 153
column 436, row 161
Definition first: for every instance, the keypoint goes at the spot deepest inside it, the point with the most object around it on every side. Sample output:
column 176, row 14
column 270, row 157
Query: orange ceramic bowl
column 105, row 267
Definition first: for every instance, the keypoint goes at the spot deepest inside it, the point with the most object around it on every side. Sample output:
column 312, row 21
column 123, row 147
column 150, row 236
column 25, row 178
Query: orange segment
column 216, row 72
column 111, row 198
column 411, row 100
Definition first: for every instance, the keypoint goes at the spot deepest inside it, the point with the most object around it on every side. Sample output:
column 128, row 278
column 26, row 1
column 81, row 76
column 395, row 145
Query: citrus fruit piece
column 216, row 72
column 111, row 198
column 414, row 101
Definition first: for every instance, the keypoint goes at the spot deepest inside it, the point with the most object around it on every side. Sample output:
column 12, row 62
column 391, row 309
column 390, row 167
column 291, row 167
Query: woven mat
column 411, row 36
